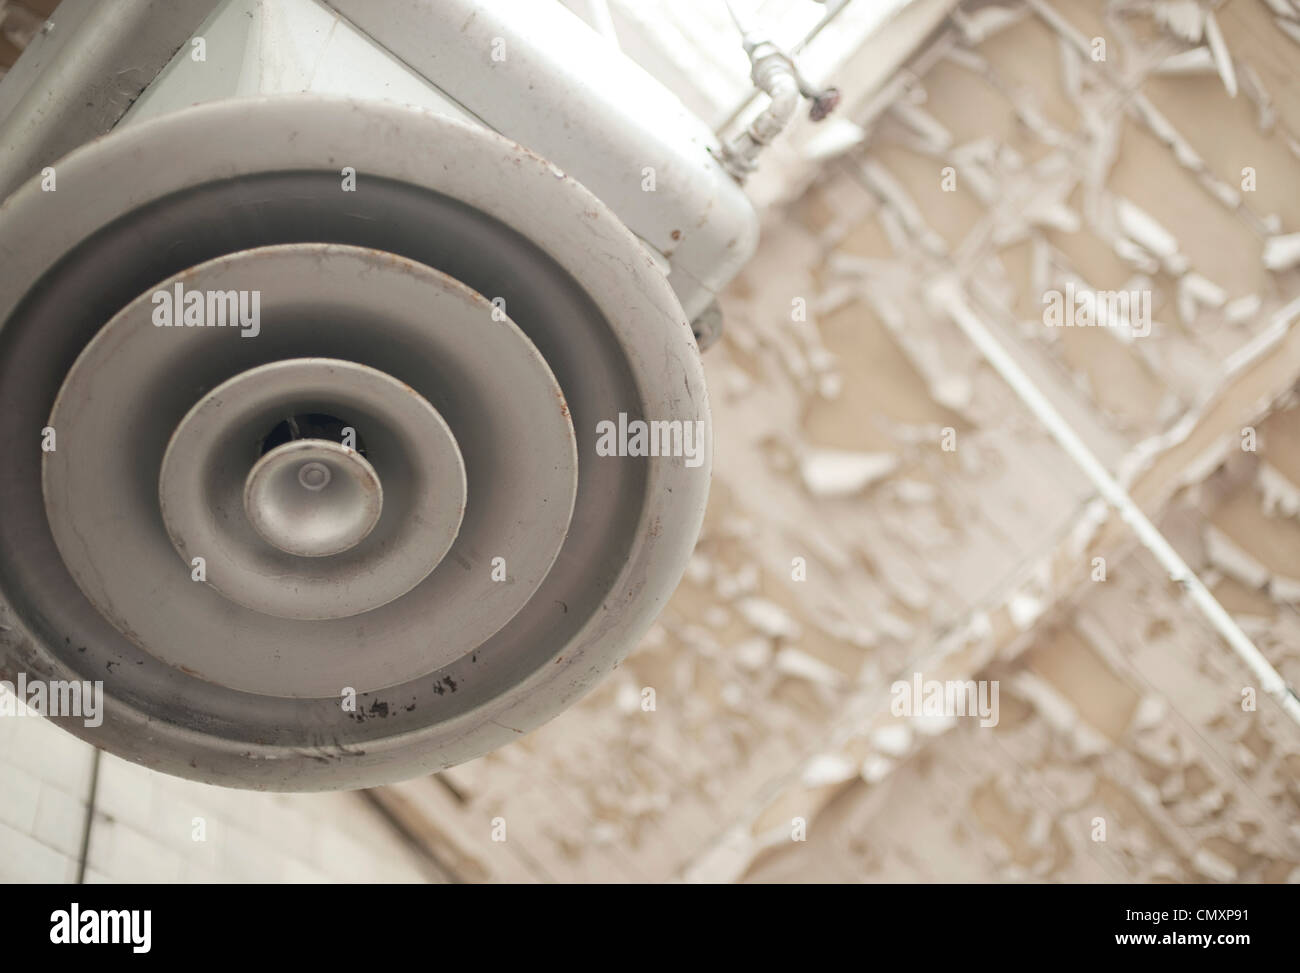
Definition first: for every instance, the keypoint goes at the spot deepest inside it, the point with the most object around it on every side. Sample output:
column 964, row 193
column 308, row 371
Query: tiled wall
column 144, row 825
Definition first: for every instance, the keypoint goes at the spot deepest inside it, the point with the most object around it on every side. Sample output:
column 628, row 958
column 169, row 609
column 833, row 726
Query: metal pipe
column 81, row 73
column 777, row 75
column 774, row 74
column 573, row 98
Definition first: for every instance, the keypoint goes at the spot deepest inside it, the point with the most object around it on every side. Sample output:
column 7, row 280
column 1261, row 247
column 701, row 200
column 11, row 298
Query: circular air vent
column 324, row 505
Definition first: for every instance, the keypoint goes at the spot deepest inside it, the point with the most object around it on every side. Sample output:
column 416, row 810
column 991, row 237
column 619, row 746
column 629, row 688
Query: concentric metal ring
column 427, row 341
column 313, row 498
column 206, row 470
